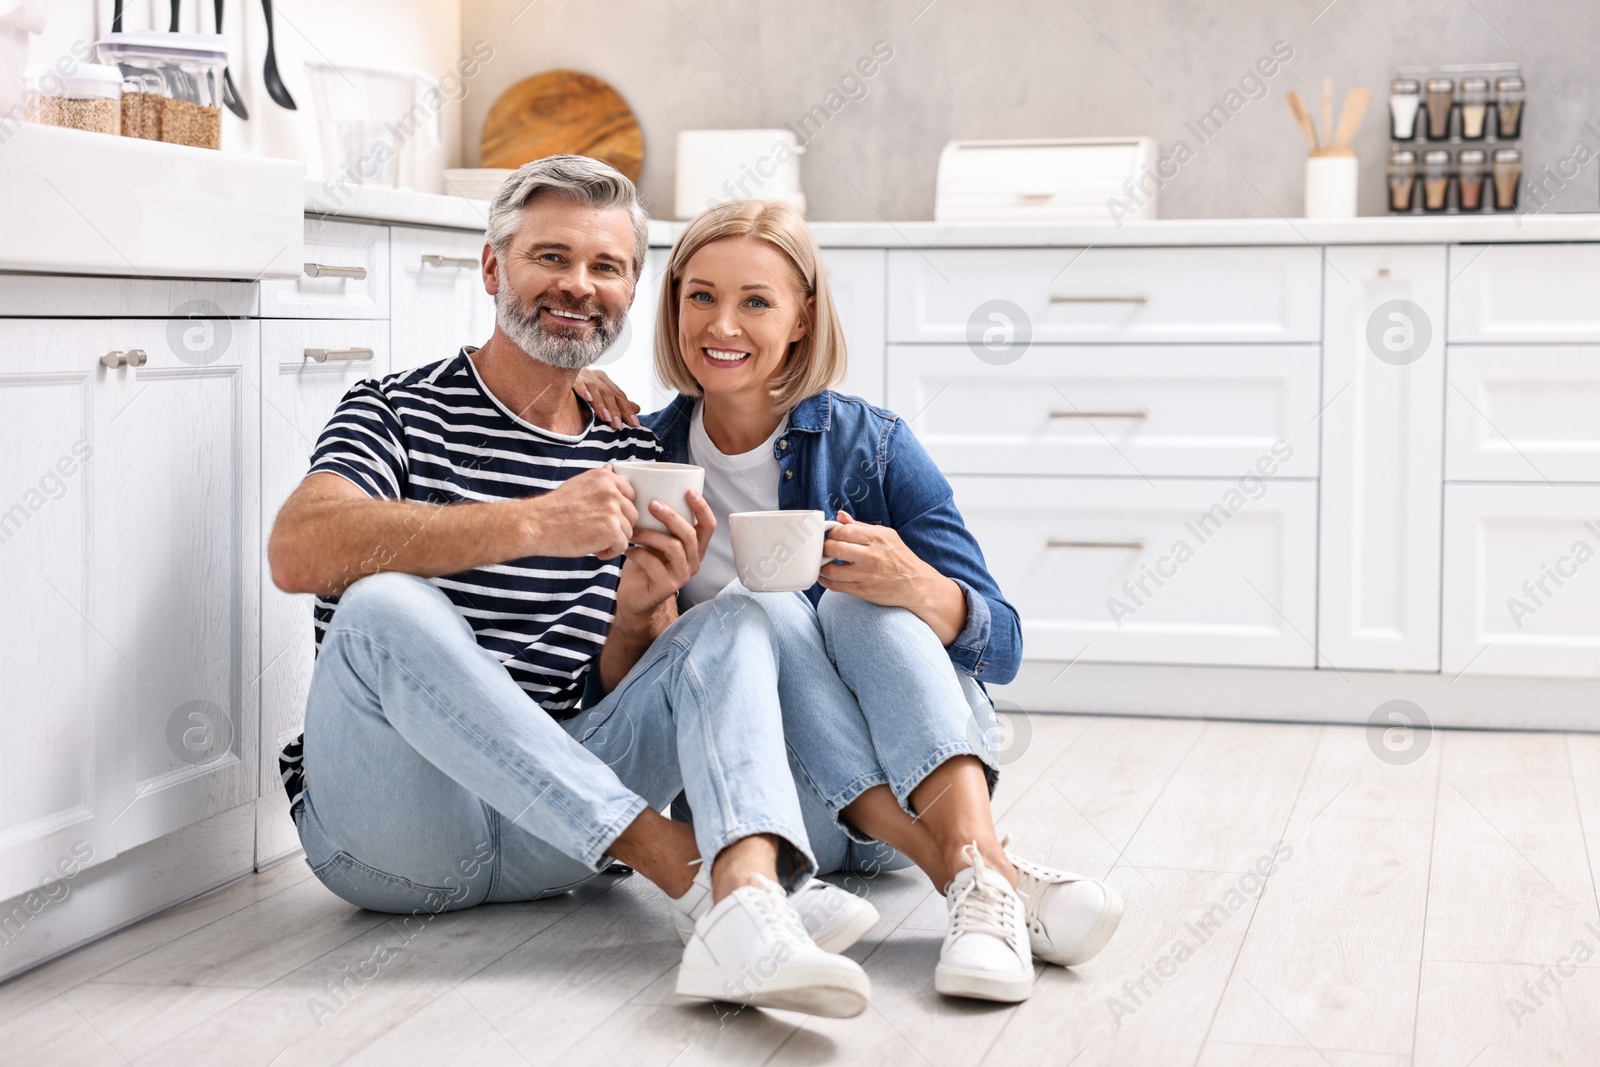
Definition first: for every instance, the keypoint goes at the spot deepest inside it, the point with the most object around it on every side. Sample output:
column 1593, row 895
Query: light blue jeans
column 869, row 698
column 434, row 783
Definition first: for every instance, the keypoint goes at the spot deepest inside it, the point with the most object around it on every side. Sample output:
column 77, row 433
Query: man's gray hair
column 579, row 178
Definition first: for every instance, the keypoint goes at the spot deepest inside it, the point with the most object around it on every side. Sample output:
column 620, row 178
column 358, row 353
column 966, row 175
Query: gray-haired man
column 469, row 548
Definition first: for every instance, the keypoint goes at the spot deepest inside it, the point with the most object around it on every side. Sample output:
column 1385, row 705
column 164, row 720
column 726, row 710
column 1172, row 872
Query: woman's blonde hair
column 814, row 362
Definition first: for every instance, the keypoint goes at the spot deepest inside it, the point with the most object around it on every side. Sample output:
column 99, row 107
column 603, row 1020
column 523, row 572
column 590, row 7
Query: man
column 462, row 532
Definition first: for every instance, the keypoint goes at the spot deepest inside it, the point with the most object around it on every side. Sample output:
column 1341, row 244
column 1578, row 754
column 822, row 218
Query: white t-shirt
column 745, row 482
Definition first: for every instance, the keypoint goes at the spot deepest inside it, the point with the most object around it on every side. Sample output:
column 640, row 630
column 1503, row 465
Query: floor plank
column 1466, row 1015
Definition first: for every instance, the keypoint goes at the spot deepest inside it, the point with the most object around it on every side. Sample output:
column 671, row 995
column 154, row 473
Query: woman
column 880, row 664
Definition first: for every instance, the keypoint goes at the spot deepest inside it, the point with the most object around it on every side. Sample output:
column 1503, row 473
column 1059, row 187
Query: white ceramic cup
column 779, row 551
column 666, row 482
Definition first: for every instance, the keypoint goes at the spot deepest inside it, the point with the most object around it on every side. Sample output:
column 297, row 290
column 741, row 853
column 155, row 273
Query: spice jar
column 1508, row 92
column 1474, row 108
column 1435, row 179
column 182, row 73
column 1440, row 103
column 86, row 99
column 1470, row 168
column 1507, row 171
column 1402, row 171
column 1405, row 99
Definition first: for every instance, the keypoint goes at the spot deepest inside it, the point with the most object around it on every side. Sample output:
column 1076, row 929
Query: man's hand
column 659, row 564
column 589, row 514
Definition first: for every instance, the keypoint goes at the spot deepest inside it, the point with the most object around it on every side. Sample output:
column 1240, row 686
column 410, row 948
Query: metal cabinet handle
column 1068, row 298
column 323, row 270
column 1057, row 413
column 1056, row 542
column 1037, row 194
column 133, row 357
column 431, row 260
column 351, row 355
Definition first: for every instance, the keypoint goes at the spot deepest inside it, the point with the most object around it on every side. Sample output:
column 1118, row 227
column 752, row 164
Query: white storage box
column 715, row 166
column 1056, row 180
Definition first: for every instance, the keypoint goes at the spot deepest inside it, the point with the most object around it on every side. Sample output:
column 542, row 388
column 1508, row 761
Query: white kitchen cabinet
column 1503, row 294
column 630, row 362
column 1122, row 570
column 1134, row 411
column 856, row 276
column 346, row 275
column 1132, row 295
column 130, row 706
column 1382, row 425
column 1522, row 580
column 1523, row 413
column 439, row 303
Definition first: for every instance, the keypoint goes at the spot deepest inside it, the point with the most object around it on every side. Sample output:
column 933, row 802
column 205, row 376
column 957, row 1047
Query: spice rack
column 1453, row 139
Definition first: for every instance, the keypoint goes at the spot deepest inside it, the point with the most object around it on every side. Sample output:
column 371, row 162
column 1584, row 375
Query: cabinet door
column 631, row 361
column 857, row 278
column 1523, row 413
column 62, row 782
column 298, row 396
column 1507, row 293
column 439, row 302
column 1382, row 457
column 181, row 486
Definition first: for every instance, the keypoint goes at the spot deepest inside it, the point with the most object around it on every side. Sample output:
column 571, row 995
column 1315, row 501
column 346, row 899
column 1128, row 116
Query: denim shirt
column 842, row 454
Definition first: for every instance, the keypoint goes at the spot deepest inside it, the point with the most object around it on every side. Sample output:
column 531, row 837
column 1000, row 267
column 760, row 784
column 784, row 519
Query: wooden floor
column 1436, row 913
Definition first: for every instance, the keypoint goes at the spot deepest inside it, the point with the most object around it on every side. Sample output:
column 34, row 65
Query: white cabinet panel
column 439, row 301
column 856, row 277
column 1522, row 580
column 631, row 362
column 1148, row 295
column 351, row 280
column 1123, row 570
column 1382, row 465
column 1510, row 293
column 1130, row 411
column 1523, row 414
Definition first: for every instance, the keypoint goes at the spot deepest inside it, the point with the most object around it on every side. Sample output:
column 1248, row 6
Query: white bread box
column 1053, row 180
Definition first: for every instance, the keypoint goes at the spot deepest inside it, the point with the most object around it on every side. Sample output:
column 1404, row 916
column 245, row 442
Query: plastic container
column 179, row 76
column 87, row 99
column 379, row 126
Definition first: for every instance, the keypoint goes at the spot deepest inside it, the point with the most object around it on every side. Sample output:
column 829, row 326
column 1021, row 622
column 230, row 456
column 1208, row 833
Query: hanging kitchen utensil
column 269, row 73
column 230, row 95
column 562, row 111
column 172, row 26
column 116, row 16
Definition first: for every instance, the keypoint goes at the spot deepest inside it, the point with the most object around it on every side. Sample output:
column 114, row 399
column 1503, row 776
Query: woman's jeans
column 434, row 782
column 869, row 698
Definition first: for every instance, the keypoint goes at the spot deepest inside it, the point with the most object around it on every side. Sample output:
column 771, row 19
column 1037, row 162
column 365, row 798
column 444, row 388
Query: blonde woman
column 881, row 664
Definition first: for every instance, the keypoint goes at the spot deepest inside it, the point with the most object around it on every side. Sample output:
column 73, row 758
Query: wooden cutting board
column 562, row 111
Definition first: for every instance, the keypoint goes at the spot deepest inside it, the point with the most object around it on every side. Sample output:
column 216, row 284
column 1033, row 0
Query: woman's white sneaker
column 985, row 953
column 1070, row 918
column 753, row 949
column 835, row 918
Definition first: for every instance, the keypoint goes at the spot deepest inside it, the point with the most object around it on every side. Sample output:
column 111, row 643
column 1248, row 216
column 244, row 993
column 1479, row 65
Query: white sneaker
column 753, row 949
column 835, row 918
column 985, row 952
column 1070, row 917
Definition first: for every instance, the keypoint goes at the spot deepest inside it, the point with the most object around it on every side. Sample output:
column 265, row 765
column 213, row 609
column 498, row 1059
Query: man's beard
column 559, row 347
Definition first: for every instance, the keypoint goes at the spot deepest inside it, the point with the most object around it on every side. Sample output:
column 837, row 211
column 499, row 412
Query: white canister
column 1331, row 184
column 715, row 166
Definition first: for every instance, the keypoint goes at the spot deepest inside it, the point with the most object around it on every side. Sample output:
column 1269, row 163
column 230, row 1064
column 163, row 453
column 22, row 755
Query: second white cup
column 666, row 482
column 778, row 551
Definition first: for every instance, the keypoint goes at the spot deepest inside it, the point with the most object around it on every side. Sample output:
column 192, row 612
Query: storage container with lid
column 182, row 73
column 88, row 98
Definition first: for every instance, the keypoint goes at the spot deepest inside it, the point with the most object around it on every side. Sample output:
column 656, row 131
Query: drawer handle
column 133, row 357
column 431, row 260
column 1038, row 194
column 1068, row 298
column 1057, row 413
column 351, row 355
column 1132, row 546
column 323, row 270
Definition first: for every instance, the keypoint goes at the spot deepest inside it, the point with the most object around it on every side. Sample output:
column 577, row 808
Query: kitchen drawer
column 352, row 347
column 439, row 300
column 1065, row 409
column 1509, row 293
column 1522, row 580
column 1226, row 579
column 1106, row 294
column 1525, row 414
column 350, row 264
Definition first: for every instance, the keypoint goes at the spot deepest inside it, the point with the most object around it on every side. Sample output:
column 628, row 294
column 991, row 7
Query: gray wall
column 1032, row 68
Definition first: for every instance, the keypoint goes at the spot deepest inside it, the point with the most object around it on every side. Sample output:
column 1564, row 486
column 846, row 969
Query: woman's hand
column 880, row 568
column 610, row 403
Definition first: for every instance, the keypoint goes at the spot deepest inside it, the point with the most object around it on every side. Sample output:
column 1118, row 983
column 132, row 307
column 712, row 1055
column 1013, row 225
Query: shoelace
column 773, row 910
column 980, row 907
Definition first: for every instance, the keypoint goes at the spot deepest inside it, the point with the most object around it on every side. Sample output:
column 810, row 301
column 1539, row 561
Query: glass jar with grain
column 1471, row 166
column 86, row 99
column 179, row 79
column 1435, row 179
column 1402, row 179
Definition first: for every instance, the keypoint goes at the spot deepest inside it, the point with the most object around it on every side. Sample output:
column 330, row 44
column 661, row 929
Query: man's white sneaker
column 752, row 949
column 985, row 952
column 835, row 918
column 1070, row 917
